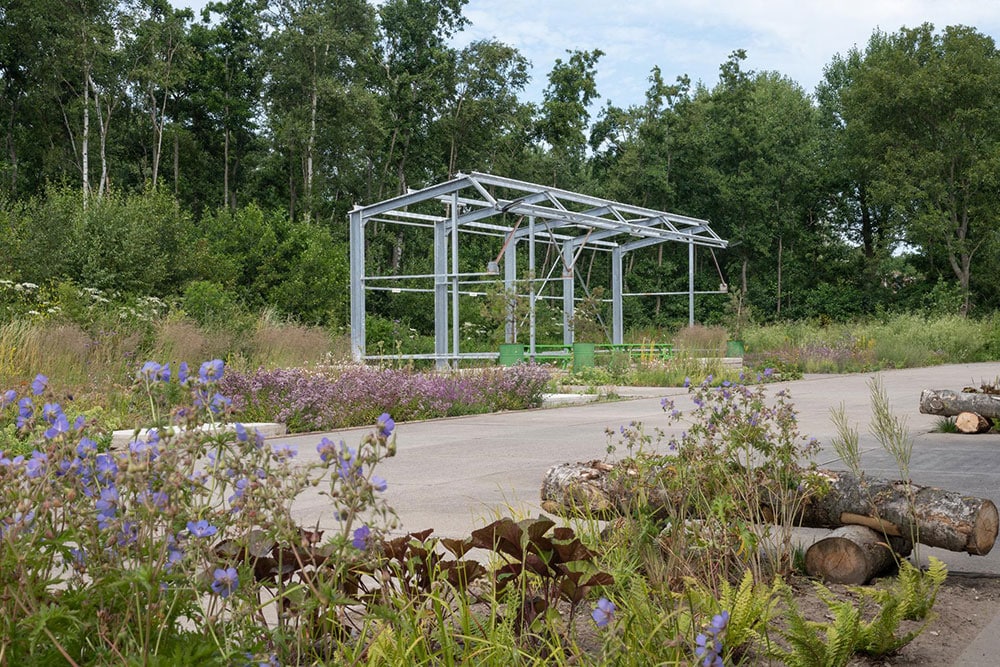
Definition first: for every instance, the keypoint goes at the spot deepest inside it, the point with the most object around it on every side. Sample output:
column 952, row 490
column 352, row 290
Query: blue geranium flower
column 201, row 528
column 603, row 613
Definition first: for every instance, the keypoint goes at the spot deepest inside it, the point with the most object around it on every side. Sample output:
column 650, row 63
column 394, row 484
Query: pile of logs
column 875, row 519
column 973, row 409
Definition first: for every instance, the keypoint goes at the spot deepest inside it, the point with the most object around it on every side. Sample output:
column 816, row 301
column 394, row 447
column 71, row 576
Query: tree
column 482, row 106
column 320, row 58
column 223, row 95
column 746, row 156
column 29, row 33
column 418, row 67
column 162, row 36
column 565, row 114
column 933, row 102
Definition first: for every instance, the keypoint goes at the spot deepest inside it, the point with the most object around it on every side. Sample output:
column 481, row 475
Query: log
column 854, row 555
column 578, row 489
column 948, row 403
column 929, row 515
column 970, row 422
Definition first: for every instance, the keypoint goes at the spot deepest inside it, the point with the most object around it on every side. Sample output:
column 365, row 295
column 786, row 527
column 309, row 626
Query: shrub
column 309, row 400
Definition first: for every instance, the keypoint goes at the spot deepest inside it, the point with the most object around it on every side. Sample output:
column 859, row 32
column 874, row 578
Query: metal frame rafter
column 472, row 203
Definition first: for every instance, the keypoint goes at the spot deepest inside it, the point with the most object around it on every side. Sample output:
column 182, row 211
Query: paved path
column 455, row 475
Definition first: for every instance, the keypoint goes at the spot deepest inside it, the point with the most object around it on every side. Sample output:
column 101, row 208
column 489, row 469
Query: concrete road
column 455, row 475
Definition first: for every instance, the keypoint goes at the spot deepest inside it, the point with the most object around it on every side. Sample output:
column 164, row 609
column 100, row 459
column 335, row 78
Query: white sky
column 796, row 38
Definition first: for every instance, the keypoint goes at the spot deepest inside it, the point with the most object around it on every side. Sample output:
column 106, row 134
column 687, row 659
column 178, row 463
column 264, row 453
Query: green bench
column 583, row 355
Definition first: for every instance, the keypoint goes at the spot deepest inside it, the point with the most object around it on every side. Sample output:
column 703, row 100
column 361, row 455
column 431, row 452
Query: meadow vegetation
column 183, row 547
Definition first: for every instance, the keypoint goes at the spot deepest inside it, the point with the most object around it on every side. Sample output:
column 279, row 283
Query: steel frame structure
column 571, row 220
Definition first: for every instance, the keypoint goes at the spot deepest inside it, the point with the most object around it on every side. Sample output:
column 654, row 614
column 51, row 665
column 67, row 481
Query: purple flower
column 327, row 449
column 768, row 372
column 719, row 623
column 239, row 488
column 154, row 372
column 146, row 448
column 107, row 505
column 687, row 382
column 79, row 557
column 36, row 464
column 225, row 581
column 361, row 535
column 603, row 613
column 106, row 468
column 60, row 426
column 201, row 528
column 128, row 534
column 348, row 466
column 219, row 403
column 211, row 371
column 378, row 483
column 385, row 424
column 182, row 372
column 241, row 432
column 155, row 499
column 284, row 451
column 708, row 644
column 38, row 384
column 25, row 408
column 7, row 398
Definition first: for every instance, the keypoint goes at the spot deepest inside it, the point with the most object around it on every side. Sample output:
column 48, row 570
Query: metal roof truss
column 473, row 203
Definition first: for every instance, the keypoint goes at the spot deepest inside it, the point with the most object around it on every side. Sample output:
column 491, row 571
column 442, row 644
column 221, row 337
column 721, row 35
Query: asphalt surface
column 456, row 475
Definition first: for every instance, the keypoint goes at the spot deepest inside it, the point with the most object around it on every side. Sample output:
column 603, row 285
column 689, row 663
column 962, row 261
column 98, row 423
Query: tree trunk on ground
column 854, row 555
column 928, row 515
column 948, row 403
column 970, row 422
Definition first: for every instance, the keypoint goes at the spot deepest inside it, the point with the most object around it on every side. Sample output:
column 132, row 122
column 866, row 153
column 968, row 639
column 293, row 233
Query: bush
column 311, row 400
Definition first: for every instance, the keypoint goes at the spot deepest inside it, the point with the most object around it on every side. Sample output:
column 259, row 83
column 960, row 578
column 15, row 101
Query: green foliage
column 816, row 644
column 854, row 628
column 751, row 606
column 945, row 425
column 704, row 487
column 209, row 304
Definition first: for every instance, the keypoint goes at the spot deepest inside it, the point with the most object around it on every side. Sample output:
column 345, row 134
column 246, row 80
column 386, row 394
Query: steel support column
column 441, row 293
column 569, row 305
column 456, row 329
column 510, row 290
column 357, row 249
column 690, row 284
column 617, row 319
column 532, row 331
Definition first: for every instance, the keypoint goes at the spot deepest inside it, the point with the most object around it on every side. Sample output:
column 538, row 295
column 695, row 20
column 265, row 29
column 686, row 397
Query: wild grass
column 902, row 341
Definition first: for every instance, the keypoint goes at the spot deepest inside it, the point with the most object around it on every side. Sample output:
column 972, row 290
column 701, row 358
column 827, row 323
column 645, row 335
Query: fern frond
column 815, row 644
column 842, row 636
column 919, row 590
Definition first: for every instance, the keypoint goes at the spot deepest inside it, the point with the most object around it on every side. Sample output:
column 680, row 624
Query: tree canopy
column 228, row 147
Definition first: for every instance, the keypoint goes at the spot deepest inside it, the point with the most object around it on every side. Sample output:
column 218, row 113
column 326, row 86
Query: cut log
column 929, row 515
column 970, row 422
column 932, row 516
column 948, row 403
column 578, row 489
column 854, row 555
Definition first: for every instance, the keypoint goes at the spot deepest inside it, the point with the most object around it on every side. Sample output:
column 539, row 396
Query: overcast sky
column 796, row 38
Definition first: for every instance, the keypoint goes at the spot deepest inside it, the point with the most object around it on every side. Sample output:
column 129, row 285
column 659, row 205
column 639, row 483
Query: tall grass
column 902, row 341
